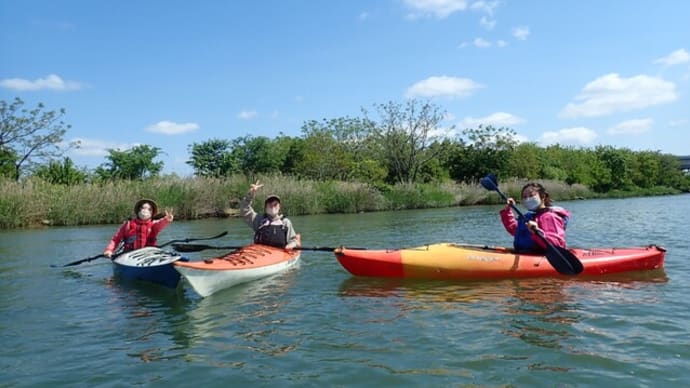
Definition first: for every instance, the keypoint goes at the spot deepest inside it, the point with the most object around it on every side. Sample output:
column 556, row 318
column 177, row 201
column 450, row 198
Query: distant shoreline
column 35, row 203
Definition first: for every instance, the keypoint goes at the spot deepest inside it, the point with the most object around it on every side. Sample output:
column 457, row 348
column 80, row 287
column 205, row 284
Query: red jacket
column 137, row 234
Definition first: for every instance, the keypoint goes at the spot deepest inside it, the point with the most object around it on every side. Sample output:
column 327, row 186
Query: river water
column 317, row 325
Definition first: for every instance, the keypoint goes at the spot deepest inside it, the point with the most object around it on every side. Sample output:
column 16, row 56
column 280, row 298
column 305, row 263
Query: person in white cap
column 270, row 228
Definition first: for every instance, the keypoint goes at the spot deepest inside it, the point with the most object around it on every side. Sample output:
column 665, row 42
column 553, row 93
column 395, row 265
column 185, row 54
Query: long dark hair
column 543, row 194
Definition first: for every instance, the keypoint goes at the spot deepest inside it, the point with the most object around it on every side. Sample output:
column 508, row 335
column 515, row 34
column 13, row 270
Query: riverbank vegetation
column 399, row 157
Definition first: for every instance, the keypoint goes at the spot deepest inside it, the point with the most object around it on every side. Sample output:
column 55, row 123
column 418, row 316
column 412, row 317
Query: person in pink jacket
column 140, row 231
column 542, row 217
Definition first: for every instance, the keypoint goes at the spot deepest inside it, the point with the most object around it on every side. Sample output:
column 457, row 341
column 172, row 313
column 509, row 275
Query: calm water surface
column 318, row 326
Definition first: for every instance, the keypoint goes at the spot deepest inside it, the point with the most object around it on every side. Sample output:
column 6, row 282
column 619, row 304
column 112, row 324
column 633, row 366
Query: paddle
column 86, row 260
column 186, row 240
column 561, row 259
column 201, row 247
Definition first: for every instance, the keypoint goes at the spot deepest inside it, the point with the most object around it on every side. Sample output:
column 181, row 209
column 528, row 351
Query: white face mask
column 272, row 211
column 144, row 214
column 532, row 203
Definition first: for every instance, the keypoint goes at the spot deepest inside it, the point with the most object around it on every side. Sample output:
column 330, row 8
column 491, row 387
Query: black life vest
column 274, row 235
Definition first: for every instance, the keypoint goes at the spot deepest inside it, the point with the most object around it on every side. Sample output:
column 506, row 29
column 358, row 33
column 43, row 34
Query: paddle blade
column 563, row 260
column 489, row 182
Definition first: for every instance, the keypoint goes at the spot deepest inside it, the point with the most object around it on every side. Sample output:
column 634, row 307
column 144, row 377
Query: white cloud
column 569, row 136
column 501, row 43
column 498, row 119
column 481, row 43
column 93, row 147
column 363, row 16
column 172, row 128
column 484, row 6
column 247, row 114
column 443, row 86
column 442, row 132
column 677, row 57
column 610, row 93
column 448, row 116
column 631, row 127
column 437, row 8
column 520, row 138
column 487, row 23
column 521, row 33
column 463, row 44
column 678, row 123
column 51, row 82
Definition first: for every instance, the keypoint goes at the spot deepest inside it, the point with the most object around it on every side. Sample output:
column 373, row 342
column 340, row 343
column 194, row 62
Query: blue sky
column 171, row 73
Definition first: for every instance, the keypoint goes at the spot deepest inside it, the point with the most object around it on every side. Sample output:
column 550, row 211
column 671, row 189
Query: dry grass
column 34, row 202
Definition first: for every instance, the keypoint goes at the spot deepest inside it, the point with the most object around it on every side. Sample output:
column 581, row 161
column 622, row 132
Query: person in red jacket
column 140, row 231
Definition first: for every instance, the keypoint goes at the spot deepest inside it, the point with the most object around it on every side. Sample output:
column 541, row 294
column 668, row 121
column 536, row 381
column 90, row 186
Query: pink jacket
column 552, row 221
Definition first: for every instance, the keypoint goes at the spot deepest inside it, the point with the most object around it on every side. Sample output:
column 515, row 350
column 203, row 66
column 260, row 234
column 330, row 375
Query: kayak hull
column 148, row 264
column 456, row 261
column 241, row 266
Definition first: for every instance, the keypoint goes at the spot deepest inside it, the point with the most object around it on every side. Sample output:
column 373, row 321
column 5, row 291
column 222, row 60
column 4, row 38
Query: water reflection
column 540, row 312
column 245, row 317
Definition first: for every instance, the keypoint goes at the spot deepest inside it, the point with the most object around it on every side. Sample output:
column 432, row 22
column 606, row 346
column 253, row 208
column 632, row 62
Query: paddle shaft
column 86, row 260
column 201, row 247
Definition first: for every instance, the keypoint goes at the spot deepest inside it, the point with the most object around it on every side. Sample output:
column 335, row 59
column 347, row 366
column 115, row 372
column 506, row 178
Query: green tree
column 258, row 155
column 334, row 149
column 524, row 161
column 61, row 172
column 670, row 174
column 213, row 158
column 7, row 163
column 487, row 149
column 293, row 149
column 617, row 161
column 134, row 164
column 645, row 169
column 30, row 136
column 403, row 134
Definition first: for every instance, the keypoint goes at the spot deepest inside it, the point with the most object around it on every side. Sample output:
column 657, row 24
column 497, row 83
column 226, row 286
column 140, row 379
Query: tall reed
column 34, row 202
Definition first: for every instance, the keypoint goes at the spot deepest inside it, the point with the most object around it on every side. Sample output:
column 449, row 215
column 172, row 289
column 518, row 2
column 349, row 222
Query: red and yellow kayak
column 457, row 261
column 240, row 266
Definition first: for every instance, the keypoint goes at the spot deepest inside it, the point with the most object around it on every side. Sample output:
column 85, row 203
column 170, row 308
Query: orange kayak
column 457, row 261
column 243, row 265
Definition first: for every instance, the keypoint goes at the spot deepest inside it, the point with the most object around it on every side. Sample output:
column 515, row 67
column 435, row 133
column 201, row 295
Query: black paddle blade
column 564, row 261
column 489, row 182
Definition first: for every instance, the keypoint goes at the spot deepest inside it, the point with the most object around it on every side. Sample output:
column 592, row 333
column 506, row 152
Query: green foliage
column 61, row 172
column 136, row 163
column 259, row 155
column 29, row 136
column 212, row 158
column 486, row 150
column 8, row 158
column 403, row 135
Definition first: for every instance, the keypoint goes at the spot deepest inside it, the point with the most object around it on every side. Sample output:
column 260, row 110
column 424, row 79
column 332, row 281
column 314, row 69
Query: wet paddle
column 186, row 240
column 564, row 261
column 202, row 247
column 86, row 260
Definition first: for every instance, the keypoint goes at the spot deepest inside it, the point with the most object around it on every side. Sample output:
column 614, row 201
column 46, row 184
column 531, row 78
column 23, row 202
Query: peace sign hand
column 254, row 187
